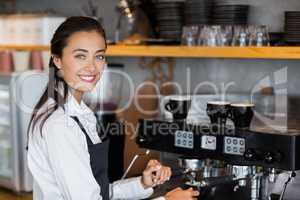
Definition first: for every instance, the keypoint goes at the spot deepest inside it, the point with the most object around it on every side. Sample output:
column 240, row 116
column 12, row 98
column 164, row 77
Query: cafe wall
column 240, row 75
column 244, row 74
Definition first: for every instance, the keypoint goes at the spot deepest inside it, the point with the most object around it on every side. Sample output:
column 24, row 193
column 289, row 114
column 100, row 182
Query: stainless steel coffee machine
column 224, row 162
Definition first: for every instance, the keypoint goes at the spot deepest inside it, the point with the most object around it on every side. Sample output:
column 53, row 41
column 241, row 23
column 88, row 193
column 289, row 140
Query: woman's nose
column 91, row 65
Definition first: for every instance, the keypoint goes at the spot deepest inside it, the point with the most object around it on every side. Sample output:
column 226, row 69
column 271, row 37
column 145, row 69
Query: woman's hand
column 180, row 194
column 155, row 174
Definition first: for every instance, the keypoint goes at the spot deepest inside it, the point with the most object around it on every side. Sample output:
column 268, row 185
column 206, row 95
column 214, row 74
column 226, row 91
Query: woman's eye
column 100, row 57
column 80, row 56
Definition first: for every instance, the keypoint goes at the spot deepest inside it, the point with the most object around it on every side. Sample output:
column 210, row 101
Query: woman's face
column 82, row 61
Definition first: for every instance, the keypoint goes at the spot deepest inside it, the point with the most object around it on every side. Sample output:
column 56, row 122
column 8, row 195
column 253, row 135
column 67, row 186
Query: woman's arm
column 141, row 187
column 131, row 188
column 69, row 160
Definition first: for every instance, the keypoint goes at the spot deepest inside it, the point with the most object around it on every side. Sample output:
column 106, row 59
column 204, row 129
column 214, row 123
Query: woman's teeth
column 89, row 78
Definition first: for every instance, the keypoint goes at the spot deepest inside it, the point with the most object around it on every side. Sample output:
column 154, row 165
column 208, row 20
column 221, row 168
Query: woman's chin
column 85, row 88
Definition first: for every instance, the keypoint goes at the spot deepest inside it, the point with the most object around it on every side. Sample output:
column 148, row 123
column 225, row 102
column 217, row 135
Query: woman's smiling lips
column 88, row 78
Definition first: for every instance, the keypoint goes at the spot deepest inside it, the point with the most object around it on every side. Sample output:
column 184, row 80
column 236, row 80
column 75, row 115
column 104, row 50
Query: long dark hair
column 57, row 88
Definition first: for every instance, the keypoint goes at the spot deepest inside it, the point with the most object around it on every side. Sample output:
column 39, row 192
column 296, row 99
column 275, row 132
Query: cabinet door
column 6, row 141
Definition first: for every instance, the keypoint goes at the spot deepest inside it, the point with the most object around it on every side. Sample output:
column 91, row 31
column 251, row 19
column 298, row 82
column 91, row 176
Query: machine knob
column 145, row 139
column 251, row 155
column 142, row 140
column 271, row 157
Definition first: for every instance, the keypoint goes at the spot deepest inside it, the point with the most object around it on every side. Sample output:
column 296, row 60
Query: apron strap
column 89, row 141
column 103, row 136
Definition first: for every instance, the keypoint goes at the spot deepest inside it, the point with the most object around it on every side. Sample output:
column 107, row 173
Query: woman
column 66, row 155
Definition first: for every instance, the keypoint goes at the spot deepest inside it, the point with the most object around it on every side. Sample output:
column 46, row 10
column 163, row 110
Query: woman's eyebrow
column 86, row 51
column 100, row 50
column 83, row 50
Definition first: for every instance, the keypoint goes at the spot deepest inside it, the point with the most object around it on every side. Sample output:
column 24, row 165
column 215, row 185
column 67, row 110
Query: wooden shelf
column 187, row 52
column 25, row 47
column 207, row 52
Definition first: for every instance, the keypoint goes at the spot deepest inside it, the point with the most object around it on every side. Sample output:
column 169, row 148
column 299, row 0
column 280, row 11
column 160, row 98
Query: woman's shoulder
column 52, row 121
column 58, row 117
column 58, row 129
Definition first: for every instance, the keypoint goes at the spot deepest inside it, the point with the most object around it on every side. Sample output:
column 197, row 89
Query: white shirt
column 60, row 162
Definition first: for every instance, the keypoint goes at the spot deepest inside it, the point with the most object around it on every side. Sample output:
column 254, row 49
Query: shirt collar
column 73, row 108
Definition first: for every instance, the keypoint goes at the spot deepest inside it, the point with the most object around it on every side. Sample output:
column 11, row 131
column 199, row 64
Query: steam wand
column 293, row 174
column 133, row 161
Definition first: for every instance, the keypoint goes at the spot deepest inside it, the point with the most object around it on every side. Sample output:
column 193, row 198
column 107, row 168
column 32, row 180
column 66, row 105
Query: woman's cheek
column 72, row 79
column 101, row 69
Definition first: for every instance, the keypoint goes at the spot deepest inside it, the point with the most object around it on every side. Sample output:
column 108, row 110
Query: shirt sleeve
column 70, row 160
column 159, row 198
column 131, row 188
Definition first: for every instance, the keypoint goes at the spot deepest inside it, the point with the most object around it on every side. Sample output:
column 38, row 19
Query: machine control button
column 228, row 148
column 235, row 142
column 228, row 141
column 184, row 139
column 242, row 142
column 235, row 149
column 208, row 142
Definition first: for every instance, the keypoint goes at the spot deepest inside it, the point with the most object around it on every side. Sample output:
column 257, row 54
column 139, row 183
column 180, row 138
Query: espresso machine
column 223, row 161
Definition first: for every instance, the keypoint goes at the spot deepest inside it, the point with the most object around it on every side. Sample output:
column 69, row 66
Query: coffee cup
column 179, row 106
column 218, row 112
column 241, row 114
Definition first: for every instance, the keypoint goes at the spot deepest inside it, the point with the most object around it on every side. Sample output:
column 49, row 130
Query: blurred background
column 159, row 22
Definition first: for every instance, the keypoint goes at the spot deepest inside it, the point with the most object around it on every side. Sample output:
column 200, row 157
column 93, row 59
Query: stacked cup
column 19, row 61
column 240, row 113
column 179, row 106
column 6, row 62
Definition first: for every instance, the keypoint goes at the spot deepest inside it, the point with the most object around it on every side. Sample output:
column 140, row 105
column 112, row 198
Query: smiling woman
column 82, row 62
column 67, row 156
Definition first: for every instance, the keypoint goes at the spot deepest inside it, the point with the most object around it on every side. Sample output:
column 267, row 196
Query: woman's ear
column 57, row 61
